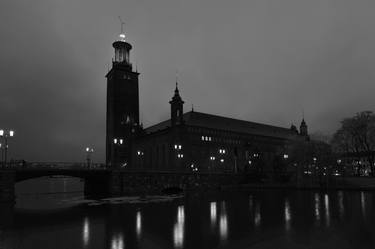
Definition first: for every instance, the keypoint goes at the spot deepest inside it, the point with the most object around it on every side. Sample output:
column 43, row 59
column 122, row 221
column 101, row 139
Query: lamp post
column 2, row 151
column 5, row 134
column 89, row 152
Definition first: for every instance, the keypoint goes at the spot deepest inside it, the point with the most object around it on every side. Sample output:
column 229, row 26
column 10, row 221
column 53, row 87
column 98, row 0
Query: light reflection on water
column 341, row 203
column 363, row 204
column 117, row 241
column 178, row 231
column 287, row 215
column 223, row 222
column 232, row 217
column 139, row 224
column 86, row 232
column 257, row 217
column 213, row 214
column 317, row 207
column 326, row 206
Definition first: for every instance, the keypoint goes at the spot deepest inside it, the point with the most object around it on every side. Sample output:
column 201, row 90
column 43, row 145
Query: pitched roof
column 199, row 119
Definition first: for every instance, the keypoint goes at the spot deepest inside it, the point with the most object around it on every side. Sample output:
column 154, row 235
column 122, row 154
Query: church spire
column 176, row 107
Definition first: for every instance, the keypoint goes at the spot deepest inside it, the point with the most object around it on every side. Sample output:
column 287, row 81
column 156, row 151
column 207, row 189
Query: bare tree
column 357, row 136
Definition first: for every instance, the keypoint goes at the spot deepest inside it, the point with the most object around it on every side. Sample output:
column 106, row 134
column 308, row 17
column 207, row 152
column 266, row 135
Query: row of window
column 118, row 141
column 212, row 158
column 217, row 139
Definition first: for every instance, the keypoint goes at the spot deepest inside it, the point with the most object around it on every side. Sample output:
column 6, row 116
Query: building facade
column 190, row 141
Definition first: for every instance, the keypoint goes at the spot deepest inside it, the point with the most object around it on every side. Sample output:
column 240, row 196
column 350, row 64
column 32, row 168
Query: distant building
column 191, row 141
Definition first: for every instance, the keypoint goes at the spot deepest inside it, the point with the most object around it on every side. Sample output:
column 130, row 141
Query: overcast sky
column 259, row 60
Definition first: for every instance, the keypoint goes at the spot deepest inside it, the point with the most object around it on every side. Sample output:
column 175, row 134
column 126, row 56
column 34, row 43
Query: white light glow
column 122, row 37
column 223, row 222
column 326, row 205
column 213, row 213
column 287, row 215
column 1, row 132
column 317, row 206
column 86, row 232
column 11, row 133
column 117, row 242
column 139, row 223
column 178, row 231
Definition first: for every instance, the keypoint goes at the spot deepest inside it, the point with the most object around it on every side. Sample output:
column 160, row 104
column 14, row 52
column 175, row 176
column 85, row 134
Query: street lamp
column 89, row 152
column 5, row 134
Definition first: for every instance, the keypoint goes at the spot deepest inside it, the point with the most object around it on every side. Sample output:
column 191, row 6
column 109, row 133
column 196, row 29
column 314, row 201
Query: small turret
column 176, row 108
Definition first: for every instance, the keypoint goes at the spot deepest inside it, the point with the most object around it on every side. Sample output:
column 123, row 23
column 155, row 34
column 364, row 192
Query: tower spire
column 176, row 107
column 122, row 35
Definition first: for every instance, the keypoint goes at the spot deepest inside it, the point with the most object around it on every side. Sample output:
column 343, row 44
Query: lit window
column 209, row 139
column 121, row 141
column 138, row 153
column 115, row 141
column 221, row 160
column 202, row 138
column 179, row 147
column 175, row 146
column 212, row 158
column 250, row 162
column 286, row 156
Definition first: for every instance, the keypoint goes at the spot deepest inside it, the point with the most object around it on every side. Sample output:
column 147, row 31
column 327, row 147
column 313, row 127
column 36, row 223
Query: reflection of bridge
column 103, row 181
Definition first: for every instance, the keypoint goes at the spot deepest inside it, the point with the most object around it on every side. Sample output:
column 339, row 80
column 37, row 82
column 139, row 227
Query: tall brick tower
column 122, row 106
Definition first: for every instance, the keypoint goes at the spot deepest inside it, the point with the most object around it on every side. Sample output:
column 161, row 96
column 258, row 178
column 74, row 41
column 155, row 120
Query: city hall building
column 187, row 142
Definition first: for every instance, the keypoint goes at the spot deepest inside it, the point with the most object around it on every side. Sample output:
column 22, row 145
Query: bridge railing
column 52, row 165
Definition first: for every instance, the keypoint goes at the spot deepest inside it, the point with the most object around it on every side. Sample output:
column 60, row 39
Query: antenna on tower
column 122, row 35
column 122, row 24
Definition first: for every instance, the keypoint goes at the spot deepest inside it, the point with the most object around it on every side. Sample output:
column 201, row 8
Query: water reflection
column 138, row 224
column 287, row 215
column 117, row 241
column 326, row 206
column 257, row 217
column 223, row 222
column 213, row 214
column 178, row 231
column 86, row 232
column 317, row 206
column 363, row 204
column 341, row 203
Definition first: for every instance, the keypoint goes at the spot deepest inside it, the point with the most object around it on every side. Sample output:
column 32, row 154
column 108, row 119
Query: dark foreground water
column 236, row 219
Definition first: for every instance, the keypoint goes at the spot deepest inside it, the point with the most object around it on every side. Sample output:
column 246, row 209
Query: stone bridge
column 101, row 181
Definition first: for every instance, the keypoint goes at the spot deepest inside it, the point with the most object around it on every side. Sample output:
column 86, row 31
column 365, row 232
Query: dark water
column 246, row 219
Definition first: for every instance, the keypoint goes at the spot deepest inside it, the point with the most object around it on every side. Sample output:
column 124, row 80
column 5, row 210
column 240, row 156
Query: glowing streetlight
column 89, row 152
column 5, row 134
